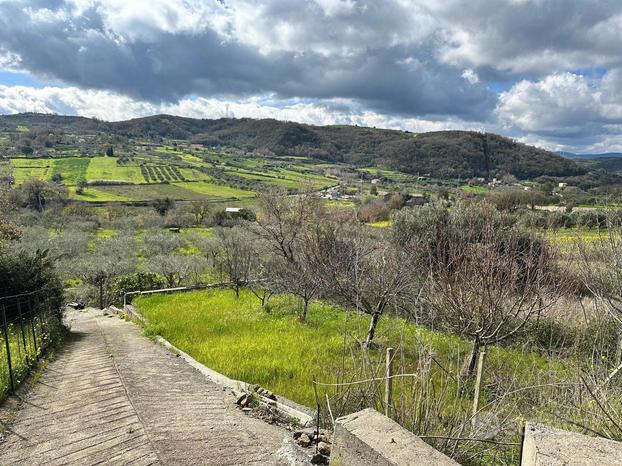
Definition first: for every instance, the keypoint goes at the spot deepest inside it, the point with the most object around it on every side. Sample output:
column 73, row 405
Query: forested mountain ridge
column 441, row 154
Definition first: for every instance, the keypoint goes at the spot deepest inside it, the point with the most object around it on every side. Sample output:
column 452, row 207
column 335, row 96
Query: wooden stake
column 388, row 387
column 317, row 421
column 478, row 382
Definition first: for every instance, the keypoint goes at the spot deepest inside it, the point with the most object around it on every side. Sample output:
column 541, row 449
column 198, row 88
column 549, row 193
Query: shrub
column 136, row 281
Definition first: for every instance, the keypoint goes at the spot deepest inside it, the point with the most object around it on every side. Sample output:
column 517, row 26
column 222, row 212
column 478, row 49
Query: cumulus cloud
column 538, row 37
column 160, row 51
column 397, row 63
column 565, row 107
column 111, row 106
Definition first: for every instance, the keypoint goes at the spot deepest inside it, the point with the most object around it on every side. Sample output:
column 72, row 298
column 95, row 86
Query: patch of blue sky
column 592, row 72
column 20, row 78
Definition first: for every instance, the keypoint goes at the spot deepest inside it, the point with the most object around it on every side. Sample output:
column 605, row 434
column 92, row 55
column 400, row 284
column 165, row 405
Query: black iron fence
column 30, row 323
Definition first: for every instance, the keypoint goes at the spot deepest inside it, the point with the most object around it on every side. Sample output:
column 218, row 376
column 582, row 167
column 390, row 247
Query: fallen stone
column 324, row 448
column 247, row 410
column 304, row 440
column 318, row 458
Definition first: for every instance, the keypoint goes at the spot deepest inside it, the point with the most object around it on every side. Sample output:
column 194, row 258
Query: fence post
column 21, row 326
column 8, row 348
column 478, row 382
column 32, row 326
column 41, row 327
column 317, row 422
column 388, row 383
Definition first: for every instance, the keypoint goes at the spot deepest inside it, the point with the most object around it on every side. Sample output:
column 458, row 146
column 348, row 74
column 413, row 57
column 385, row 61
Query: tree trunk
column 375, row 317
column 305, row 307
column 618, row 356
column 472, row 361
column 237, row 290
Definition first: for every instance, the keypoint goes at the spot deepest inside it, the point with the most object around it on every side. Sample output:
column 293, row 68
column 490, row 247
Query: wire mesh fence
column 29, row 323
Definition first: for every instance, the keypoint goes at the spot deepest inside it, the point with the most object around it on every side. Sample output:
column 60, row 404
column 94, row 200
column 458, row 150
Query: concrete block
column 545, row 446
column 368, row 438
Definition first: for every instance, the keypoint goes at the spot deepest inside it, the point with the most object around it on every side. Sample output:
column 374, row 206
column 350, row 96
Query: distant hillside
column 604, row 155
column 442, row 154
column 608, row 164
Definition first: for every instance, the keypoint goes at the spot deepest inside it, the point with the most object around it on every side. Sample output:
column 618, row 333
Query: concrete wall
column 367, row 438
column 545, row 446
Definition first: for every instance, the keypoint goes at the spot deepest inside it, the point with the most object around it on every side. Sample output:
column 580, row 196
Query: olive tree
column 236, row 258
column 158, row 242
column 485, row 277
column 38, row 194
column 177, row 268
column 108, row 259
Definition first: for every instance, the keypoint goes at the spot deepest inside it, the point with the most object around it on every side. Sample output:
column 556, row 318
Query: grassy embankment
column 272, row 348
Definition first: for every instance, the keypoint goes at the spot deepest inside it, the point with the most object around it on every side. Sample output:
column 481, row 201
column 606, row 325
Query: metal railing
column 29, row 324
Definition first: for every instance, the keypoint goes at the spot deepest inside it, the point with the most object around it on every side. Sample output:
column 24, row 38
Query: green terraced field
column 147, row 192
column 193, row 174
column 147, row 172
column 106, row 168
column 215, row 190
column 98, row 194
column 26, row 169
column 71, row 169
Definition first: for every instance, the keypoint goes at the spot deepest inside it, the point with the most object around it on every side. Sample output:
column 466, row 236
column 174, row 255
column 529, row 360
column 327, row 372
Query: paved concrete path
column 113, row 396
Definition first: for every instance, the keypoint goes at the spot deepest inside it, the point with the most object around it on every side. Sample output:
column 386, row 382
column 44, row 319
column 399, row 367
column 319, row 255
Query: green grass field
column 474, row 189
column 568, row 239
column 381, row 224
column 141, row 178
column 106, row 168
column 71, row 169
column 99, row 194
column 215, row 190
column 27, row 169
column 240, row 339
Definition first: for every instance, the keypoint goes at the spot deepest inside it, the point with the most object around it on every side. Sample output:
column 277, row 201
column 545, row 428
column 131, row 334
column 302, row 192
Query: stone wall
column 545, row 446
column 368, row 438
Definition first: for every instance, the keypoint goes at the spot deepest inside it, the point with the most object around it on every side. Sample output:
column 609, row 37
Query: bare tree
column 285, row 227
column 284, row 219
column 600, row 269
column 298, row 278
column 360, row 272
column 263, row 287
column 200, row 210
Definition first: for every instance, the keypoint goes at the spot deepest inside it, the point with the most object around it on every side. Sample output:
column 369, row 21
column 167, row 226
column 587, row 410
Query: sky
column 545, row 72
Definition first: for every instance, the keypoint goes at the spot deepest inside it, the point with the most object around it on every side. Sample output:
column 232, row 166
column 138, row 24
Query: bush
column 24, row 273
column 374, row 211
column 136, row 281
column 598, row 340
